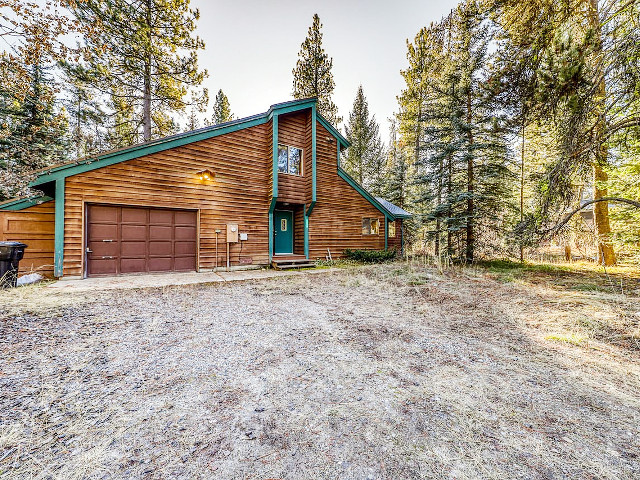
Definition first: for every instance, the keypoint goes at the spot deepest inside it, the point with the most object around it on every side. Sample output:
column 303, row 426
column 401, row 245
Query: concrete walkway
column 169, row 279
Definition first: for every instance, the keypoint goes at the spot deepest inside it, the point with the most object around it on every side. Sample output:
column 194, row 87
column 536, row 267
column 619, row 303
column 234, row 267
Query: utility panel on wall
column 232, row 232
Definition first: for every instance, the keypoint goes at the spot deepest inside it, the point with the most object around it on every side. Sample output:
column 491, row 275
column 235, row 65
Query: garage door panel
column 133, row 265
column 104, row 249
column 184, row 264
column 185, row 218
column 185, row 248
column 100, row 214
column 103, row 231
column 185, row 233
column 104, row 267
column 160, row 264
column 160, row 217
column 160, row 232
column 133, row 249
column 135, row 215
column 140, row 240
column 161, row 248
column 133, row 232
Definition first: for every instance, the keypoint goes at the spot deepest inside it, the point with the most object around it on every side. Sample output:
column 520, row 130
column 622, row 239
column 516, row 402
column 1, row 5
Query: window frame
column 369, row 221
column 392, row 227
column 288, row 172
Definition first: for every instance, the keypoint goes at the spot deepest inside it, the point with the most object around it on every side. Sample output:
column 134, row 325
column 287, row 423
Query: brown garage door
column 135, row 240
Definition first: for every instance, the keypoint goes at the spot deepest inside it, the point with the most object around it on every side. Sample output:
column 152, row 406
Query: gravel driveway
column 358, row 374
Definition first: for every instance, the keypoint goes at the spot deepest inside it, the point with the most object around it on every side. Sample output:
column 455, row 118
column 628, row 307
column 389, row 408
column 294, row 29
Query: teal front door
column 282, row 232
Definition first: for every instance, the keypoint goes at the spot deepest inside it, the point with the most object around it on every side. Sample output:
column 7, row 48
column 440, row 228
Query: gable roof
column 135, row 151
column 82, row 165
column 396, row 211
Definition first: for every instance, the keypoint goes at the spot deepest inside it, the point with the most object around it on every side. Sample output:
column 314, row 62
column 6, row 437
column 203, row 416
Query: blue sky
column 252, row 46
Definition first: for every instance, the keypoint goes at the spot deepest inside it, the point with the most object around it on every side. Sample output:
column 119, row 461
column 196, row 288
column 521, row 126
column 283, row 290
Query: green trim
column 306, row 235
column 274, row 180
column 58, row 244
column 289, row 108
column 323, row 121
column 139, row 151
column 314, row 150
column 22, row 203
column 274, row 159
column 314, row 154
column 370, row 198
column 272, row 208
column 386, row 233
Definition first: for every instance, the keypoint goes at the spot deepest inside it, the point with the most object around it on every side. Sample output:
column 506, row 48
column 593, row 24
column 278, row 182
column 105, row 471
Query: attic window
column 289, row 160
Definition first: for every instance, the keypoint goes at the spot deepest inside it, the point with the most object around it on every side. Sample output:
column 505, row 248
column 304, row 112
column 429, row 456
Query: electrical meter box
column 232, row 233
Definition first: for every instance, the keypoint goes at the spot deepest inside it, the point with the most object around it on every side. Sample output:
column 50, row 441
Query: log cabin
column 265, row 189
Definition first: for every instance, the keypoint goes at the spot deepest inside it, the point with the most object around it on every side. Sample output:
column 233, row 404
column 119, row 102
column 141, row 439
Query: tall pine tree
column 145, row 56
column 36, row 133
column 312, row 76
column 365, row 158
column 221, row 109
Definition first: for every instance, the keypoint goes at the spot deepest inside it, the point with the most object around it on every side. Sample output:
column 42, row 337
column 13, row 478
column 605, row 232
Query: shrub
column 370, row 256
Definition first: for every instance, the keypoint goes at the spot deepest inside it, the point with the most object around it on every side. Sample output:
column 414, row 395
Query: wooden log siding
column 336, row 220
column 35, row 227
column 239, row 193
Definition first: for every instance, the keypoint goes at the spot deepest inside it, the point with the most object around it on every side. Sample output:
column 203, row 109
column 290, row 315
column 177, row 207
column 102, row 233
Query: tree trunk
column 470, row 180
column 606, row 254
column 146, row 96
column 449, row 211
column 522, row 189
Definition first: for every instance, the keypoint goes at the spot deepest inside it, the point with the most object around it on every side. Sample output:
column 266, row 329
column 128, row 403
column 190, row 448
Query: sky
column 252, row 46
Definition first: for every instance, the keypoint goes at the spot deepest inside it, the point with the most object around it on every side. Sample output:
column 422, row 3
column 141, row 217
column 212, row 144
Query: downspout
column 309, row 209
column 58, row 250
column 274, row 187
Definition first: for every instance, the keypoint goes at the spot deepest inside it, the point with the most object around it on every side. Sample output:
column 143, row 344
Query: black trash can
column 10, row 255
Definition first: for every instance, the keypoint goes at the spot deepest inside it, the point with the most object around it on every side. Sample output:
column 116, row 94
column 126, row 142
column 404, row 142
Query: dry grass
column 381, row 372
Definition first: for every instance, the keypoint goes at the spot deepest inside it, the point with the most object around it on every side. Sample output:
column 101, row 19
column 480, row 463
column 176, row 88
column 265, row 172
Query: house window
column 289, row 160
column 392, row 229
column 370, row 226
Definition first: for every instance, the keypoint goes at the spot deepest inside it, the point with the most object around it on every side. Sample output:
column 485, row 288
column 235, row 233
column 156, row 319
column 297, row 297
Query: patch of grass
column 571, row 338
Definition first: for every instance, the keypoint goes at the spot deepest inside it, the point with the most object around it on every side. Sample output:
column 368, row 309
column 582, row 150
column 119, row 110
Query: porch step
column 288, row 263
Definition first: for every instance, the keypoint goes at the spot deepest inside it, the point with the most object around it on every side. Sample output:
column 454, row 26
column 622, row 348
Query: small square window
column 289, row 160
column 366, row 226
column 392, row 229
column 370, row 226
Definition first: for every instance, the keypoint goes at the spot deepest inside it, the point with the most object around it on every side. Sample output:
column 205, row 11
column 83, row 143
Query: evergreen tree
column 312, row 76
column 36, row 133
column 397, row 179
column 87, row 118
column 463, row 168
column 221, row 109
column 145, row 55
column 365, row 159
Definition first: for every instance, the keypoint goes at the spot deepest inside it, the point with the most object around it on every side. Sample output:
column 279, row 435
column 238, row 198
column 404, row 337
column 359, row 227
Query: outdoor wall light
column 205, row 175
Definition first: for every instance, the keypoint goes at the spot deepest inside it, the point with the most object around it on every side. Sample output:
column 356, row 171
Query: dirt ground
column 382, row 372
